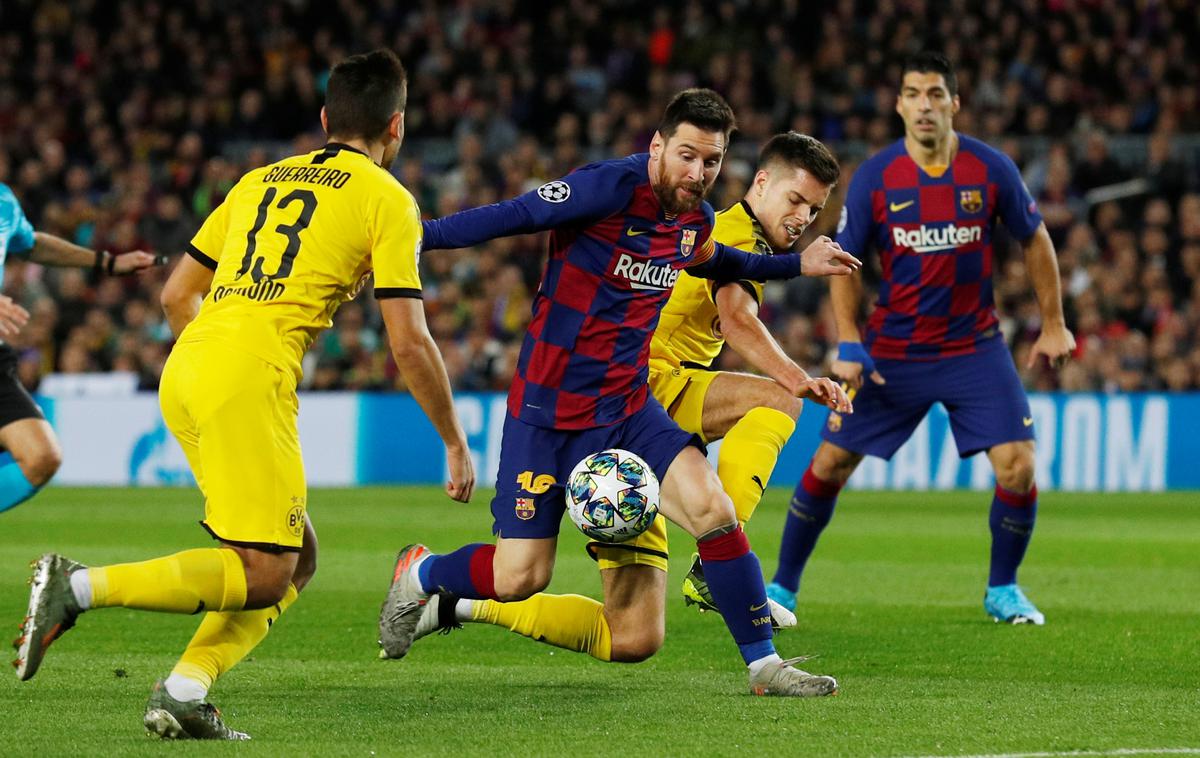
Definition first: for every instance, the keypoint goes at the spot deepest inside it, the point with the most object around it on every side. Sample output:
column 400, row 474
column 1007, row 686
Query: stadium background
column 122, row 125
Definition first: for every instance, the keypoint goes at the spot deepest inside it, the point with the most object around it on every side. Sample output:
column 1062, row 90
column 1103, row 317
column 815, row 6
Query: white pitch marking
column 1115, row 751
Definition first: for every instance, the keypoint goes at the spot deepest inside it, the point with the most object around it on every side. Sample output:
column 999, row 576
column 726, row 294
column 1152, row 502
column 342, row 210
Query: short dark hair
column 801, row 151
column 931, row 62
column 363, row 92
column 702, row 108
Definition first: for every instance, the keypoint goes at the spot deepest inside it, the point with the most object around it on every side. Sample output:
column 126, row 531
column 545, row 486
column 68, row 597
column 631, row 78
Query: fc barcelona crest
column 687, row 242
column 525, row 508
column 835, row 422
column 971, row 200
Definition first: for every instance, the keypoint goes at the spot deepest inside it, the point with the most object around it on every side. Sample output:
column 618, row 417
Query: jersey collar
column 337, row 147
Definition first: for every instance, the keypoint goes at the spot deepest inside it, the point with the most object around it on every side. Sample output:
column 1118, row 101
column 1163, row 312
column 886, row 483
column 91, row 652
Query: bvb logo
column 295, row 517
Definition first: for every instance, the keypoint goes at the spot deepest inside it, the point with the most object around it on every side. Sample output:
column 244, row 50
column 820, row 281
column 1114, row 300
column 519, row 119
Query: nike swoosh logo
column 897, row 207
column 754, row 608
column 634, row 232
column 1027, row 421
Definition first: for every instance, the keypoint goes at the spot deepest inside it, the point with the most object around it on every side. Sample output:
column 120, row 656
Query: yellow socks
column 223, row 639
column 748, row 455
column 573, row 622
column 189, row 582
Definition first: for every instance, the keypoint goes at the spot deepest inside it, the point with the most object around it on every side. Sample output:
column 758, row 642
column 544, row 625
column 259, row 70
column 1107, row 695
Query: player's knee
column 712, row 512
column 265, row 591
column 833, row 464
column 521, row 585
column 637, row 646
column 40, row 465
column 1016, row 473
column 267, row 576
column 783, row 402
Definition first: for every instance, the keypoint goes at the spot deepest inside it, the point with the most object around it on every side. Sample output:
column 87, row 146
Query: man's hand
column 1056, row 343
column 12, row 317
column 852, row 362
column 138, row 260
column 462, row 473
column 827, row 258
column 827, row 392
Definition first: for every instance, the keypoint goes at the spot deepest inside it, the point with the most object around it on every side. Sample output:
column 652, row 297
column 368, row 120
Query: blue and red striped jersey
column 613, row 260
column 934, row 237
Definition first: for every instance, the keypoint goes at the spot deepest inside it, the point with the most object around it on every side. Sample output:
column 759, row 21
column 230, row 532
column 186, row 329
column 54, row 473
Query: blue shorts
column 535, row 463
column 981, row 392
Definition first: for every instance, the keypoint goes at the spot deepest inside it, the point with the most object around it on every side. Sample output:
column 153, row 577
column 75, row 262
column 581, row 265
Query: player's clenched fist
column 827, row 258
column 128, row 263
column 462, row 474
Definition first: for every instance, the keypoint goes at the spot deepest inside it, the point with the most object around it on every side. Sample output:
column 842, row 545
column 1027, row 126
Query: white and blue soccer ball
column 612, row 496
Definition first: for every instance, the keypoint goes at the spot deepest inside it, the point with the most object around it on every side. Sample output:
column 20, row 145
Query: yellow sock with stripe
column 224, row 638
column 189, row 582
column 573, row 622
column 748, row 455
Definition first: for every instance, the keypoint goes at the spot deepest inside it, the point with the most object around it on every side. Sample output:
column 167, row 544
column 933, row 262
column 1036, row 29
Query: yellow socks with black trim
column 748, row 455
column 573, row 622
column 225, row 638
column 189, row 582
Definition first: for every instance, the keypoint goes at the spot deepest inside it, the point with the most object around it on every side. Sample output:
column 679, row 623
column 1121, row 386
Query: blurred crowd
column 123, row 124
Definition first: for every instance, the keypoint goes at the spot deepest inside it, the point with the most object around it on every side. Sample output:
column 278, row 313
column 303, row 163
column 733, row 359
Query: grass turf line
column 891, row 602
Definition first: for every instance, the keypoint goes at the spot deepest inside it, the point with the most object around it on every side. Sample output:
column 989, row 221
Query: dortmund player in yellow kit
column 755, row 415
column 264, row 275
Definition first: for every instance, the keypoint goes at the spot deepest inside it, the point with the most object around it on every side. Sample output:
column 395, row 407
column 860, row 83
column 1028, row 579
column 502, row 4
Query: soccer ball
column 612, row 496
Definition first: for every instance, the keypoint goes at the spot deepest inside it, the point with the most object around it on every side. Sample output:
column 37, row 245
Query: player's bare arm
column 424, row 373
column 845, row 294
column 184, row 291
column 1055, row 341
column 50, row 250
column 748, row 336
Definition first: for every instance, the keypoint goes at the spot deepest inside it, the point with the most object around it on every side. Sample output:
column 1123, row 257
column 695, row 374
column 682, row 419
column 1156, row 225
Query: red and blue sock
column 1011, row 520
column 735, row 580
column 467, row 572
column 808, row 515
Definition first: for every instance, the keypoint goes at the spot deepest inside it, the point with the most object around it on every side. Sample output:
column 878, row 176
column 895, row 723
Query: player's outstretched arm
column 748, row 336
column 421, row 365
column 589, row 194
column 1056, row 341
column 725, row 262
column 50, row 250
column 184, row 291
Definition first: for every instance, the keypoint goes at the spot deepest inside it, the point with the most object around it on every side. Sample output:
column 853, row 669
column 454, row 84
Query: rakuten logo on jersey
column 642, row 275
column 931, row 239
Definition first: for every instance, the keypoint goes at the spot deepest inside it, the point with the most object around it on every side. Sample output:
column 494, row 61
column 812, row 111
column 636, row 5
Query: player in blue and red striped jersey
column 621, row 232
column 929, row 204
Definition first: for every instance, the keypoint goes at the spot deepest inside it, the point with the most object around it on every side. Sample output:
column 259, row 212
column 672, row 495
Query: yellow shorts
column 235, row 418
column 685, row 389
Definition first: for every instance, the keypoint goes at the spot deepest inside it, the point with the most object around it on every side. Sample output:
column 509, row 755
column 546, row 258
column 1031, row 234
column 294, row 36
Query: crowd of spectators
column 122, row 124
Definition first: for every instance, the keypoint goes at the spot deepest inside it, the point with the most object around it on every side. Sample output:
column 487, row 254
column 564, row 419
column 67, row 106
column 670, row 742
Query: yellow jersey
column 689, row 327
column 293, row 241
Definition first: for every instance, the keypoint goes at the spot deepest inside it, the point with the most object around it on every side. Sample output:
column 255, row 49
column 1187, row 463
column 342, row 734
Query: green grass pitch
column 891, row 602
